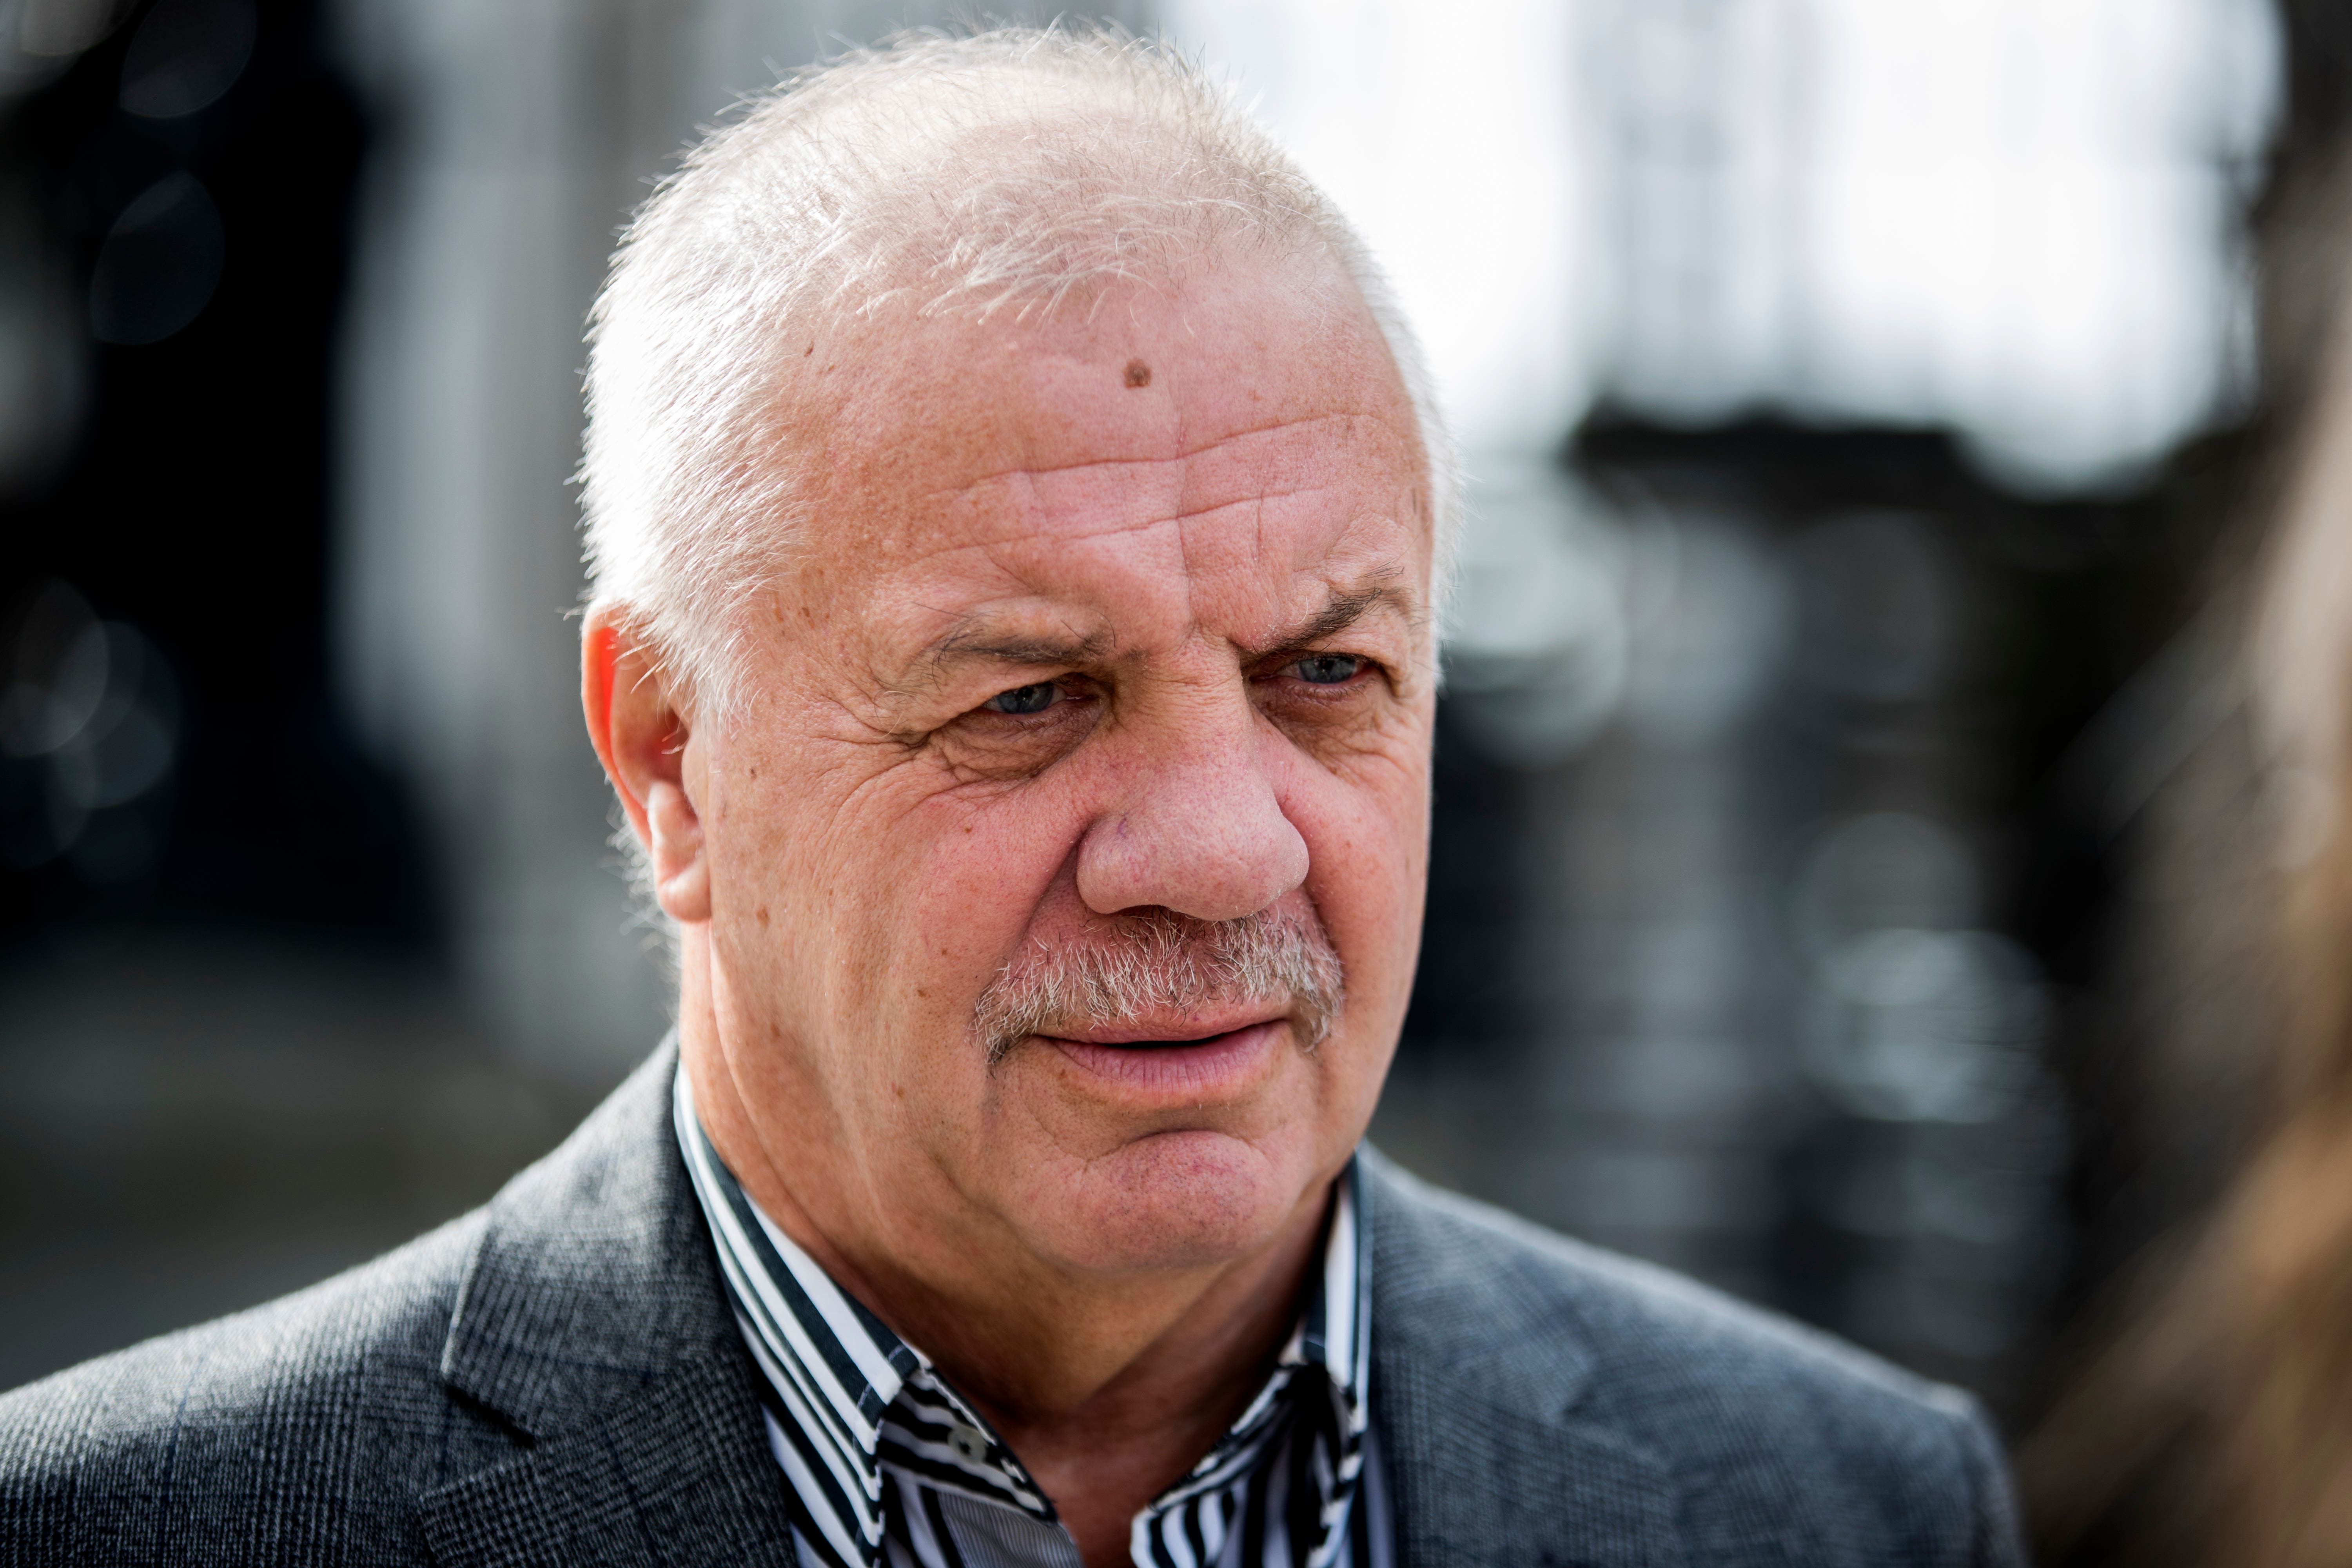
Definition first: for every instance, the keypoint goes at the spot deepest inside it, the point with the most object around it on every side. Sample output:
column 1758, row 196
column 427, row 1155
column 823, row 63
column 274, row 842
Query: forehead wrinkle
column 1188, row 455
column 1088, row 532
column 1029, row 473
column 1256, row 503
column 1011, row 556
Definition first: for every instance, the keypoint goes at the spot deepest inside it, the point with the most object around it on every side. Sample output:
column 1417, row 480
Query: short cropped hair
column 1009, row 170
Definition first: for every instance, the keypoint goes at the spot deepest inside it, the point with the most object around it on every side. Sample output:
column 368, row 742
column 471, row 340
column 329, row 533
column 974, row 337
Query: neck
column 1109, row 1387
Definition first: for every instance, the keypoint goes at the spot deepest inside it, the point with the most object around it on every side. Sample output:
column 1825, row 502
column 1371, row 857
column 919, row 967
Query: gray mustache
column 1163, row 961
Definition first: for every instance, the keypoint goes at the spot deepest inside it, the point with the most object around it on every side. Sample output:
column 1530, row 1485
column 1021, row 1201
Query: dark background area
column 192, row 502
column 232, row 1048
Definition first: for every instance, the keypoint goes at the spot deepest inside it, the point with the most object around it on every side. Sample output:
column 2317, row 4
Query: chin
column 1171, row 1200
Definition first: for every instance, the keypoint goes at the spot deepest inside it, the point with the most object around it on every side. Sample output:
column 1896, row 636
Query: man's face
column 1066, row 861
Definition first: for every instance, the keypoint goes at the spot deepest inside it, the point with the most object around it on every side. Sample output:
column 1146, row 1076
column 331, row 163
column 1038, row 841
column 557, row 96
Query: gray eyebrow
column 971, row 642
column 1343, row 611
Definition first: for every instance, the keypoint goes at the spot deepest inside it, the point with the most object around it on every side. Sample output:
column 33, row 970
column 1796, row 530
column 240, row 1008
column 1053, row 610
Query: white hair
column 1011, row 169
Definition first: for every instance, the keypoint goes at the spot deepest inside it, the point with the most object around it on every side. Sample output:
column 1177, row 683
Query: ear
column 641, row 735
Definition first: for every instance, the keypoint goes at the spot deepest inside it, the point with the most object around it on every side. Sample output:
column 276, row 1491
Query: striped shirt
column 886, row 1464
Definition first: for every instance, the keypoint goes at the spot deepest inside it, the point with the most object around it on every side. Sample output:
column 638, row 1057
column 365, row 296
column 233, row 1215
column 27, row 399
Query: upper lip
column 1193, row 1027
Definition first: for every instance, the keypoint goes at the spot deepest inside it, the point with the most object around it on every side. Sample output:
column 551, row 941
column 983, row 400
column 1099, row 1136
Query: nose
column 1196, row 825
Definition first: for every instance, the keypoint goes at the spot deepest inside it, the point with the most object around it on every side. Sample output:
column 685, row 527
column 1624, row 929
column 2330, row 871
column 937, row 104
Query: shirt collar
column 846, row 1395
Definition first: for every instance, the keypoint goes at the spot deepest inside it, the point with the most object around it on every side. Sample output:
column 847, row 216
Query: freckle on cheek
column 760, row 914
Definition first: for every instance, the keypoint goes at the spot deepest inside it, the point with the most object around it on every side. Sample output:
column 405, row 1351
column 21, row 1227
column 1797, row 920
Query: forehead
column 1246, row 428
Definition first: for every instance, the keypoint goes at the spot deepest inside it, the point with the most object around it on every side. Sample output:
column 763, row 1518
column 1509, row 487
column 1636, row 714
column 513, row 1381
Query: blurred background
column 1851, row 849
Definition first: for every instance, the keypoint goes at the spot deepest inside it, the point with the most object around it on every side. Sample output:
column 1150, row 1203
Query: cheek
column 977, row 878
column 1367, row 852
column 862, row 924
column 1367, row 832
column 967, row 873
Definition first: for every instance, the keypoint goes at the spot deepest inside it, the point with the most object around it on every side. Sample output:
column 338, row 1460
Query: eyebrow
column 1341, row 612
column 976, row 642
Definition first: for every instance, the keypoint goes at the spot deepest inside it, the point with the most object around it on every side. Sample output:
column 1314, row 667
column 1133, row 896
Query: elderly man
column 1017, row 522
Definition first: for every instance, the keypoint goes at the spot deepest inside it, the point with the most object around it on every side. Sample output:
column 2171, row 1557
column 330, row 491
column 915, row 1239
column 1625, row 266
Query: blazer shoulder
column 1750, row 1409
column 1487, row 1276
column 218, row 1435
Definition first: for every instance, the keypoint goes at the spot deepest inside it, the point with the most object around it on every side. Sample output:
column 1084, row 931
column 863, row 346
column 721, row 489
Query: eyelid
column 1275, row 664
column 1067, row 687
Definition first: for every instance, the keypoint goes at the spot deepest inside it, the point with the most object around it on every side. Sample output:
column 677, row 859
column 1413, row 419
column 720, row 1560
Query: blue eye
column 1327, row 668
column 1022, row 699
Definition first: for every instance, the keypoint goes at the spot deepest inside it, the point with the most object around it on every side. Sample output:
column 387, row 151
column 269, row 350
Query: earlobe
column 682, row 875
column 641, row 737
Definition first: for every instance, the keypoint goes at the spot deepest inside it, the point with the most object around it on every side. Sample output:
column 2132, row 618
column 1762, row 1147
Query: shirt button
column 969, row 1445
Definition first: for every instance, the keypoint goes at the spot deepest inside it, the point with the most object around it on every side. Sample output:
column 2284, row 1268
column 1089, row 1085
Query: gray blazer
column 555, row 1379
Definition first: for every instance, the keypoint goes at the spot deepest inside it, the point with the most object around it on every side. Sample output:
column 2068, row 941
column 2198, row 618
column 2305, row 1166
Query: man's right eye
column 1024, row 698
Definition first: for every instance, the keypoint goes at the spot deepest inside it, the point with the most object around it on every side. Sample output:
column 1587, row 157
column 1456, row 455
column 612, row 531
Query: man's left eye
column 1024, row 698
column 1327, row 668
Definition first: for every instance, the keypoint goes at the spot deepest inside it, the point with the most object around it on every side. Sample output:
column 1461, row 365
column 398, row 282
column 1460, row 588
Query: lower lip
column 1193, row 1071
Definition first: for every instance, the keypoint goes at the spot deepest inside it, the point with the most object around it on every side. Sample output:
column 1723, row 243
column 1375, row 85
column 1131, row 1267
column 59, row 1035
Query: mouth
column 1171, row 1034
column 1175, row 1062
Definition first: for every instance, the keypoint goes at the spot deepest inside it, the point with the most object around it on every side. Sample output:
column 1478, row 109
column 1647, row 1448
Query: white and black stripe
column 886, row 1464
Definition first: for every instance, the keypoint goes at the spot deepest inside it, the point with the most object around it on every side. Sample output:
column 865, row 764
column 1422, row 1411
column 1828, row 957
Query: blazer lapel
column 679, row 1474
column 593, row 1320
column 1475, row 1391
column 1475, row 1482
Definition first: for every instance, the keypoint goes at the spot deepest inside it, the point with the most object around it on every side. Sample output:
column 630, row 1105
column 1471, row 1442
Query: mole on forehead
column 1235, row 355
